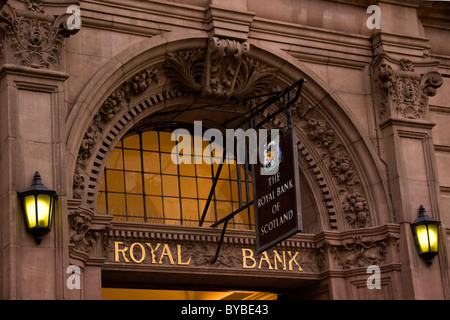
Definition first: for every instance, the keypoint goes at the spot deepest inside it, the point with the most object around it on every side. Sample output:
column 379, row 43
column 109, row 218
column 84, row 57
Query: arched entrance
column 157, row 82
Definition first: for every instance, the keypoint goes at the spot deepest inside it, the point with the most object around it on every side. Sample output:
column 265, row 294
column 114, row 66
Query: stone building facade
column 373, row 143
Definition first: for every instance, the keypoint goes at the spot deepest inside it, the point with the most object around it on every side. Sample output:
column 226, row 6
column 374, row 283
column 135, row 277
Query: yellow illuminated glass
column 422, row 237
column 433, row 236
column 43, row 210
column 427, row 237
column 142, row 183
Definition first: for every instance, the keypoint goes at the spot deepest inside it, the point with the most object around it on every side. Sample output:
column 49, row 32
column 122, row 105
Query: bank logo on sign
column 272, row 156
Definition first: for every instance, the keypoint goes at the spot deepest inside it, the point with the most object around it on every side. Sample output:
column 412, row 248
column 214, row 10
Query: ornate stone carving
column 320, row 133
column 356, row 210
column 87, row 233
column 404, row 93
column 185, row 71
column 78, row 179
column 89, row 140
column 120, row 97
column 35, row 5
column 223, row 70
column 36, row 39
column 341, row 167
column 359, row 253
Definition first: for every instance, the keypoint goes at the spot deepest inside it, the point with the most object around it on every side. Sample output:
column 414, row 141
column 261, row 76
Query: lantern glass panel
column 422, row 237
column 30, row 210
column 44, row 205
column 433, row 237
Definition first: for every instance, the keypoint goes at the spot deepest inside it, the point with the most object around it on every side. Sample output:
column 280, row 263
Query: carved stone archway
column 337, row 161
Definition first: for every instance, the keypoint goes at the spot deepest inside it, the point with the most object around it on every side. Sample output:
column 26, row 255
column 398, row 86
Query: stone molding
column 228, row 23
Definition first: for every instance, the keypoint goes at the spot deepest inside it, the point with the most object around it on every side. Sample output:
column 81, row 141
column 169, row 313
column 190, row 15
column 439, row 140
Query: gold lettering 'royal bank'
column 172, row 254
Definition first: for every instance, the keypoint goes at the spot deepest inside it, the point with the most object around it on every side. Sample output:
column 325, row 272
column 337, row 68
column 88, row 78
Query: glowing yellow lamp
column 38, row 203
column 426, row 233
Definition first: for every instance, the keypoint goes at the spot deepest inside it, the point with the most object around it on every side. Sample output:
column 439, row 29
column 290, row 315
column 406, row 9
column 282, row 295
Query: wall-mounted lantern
column 426, row 234
column 38, row 204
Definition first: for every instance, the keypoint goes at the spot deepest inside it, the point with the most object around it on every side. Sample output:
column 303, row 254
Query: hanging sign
column 277, row 191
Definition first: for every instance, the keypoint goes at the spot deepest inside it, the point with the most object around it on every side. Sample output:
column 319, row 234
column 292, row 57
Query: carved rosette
column 32, row 38
column 404, row 93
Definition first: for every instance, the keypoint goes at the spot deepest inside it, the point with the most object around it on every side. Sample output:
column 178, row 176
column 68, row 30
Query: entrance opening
column 151, row 294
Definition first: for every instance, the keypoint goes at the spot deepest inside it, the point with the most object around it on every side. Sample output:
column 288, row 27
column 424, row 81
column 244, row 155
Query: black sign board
column 277, row 192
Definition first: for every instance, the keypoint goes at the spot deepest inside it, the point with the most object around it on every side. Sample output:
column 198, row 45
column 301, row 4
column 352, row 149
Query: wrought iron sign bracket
column 288, row 97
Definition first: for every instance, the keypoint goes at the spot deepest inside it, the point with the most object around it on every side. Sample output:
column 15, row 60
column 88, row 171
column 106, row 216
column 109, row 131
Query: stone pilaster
column 32, row 107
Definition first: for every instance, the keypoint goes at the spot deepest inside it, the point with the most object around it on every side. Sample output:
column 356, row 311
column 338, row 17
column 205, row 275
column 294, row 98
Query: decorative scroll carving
column 223, row 70
column 36, row 39
column 404, row 93
column 185, row 71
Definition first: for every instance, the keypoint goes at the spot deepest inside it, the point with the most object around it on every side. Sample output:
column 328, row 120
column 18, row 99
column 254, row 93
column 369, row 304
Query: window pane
column 190, row 209
column 170, row 185
column 151, row 162
column 150, row 141
column 132, row 160
column 235, row 191
column 115, row 180
column 204, row 170
column 204, row 187
column 223, row 209
column 167, row 165
column 232, row 170
column 135, row 206
column 101, row 203
column 210, row 216
column 131, row 142
column 152, row 184
column 154, row 207
column 187, row 169
column 188, row 187
column 224, row 173
column 166, row 144
column 172, row 208
column 115, row 160
column 116, row 204
column 133, row 182
column 241, row 219
column 102, row 183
